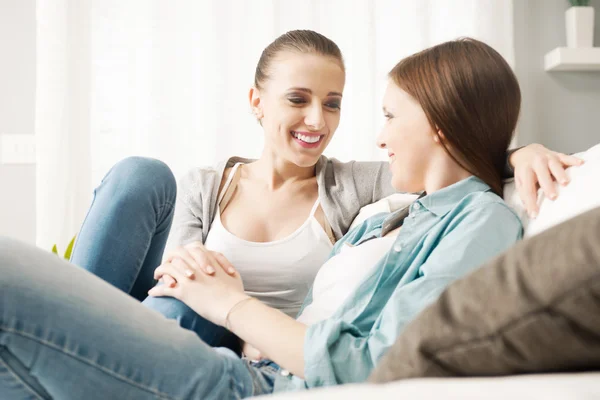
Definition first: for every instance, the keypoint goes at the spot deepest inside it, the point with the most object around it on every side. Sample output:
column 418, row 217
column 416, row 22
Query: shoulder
column 203, row 182
column 486, row 210
column 198, row 177
column 197, row 183
column 488, row 202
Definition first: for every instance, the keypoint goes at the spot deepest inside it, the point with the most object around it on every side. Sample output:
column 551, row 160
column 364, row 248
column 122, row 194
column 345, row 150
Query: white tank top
column 340, row 276
column 278, row 273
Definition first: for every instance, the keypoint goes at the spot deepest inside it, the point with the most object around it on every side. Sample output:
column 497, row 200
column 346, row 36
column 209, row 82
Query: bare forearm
column 277, row 336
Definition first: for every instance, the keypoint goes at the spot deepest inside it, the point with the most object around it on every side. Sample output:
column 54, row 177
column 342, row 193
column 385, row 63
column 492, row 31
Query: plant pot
column 580, row 26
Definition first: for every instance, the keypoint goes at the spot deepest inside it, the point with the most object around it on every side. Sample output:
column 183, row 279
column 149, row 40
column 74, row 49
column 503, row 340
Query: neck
column 275, row 171
column 444, row 172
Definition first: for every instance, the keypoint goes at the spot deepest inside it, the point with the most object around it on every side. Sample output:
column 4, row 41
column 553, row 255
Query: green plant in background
column 579, row 3
column 69, row 250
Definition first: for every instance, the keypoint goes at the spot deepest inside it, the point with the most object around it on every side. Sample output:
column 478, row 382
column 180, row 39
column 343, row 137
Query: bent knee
column 144, row 174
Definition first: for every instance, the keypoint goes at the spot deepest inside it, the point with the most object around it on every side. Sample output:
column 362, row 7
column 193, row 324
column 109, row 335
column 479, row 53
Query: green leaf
column 579, row 3
column 54, row 250
column 70, row 248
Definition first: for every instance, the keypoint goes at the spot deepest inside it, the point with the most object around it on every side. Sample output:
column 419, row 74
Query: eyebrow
column 306, row 90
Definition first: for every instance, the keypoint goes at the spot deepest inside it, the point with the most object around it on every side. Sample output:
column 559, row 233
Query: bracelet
column 232, row 309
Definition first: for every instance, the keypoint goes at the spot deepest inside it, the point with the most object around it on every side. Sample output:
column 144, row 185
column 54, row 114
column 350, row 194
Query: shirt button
column 285, row 372
column 416, row 206
column 397, row 247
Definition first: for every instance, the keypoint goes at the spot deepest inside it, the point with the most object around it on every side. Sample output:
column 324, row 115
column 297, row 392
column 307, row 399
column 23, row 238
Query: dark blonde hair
column 301, row 41
column 469, row 93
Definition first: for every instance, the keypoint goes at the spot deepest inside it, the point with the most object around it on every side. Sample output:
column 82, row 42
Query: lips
column 392, row 158
column 308, row 140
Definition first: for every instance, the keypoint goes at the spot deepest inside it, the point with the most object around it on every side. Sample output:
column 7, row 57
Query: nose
column 314, row 120
column 381, row 140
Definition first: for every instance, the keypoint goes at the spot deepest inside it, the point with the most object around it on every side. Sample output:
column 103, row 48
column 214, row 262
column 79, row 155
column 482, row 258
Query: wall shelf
column 573, row 59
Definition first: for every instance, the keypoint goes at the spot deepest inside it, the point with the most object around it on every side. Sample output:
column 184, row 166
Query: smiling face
column 299, row 105
column 410, row 141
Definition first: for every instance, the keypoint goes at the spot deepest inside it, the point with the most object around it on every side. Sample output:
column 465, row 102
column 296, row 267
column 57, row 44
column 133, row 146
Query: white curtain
column 169, row 79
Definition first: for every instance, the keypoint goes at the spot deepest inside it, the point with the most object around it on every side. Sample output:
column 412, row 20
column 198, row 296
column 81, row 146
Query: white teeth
column 305, row 138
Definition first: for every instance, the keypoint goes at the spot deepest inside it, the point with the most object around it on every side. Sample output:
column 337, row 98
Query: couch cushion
column 581, row 386
column 536, row 308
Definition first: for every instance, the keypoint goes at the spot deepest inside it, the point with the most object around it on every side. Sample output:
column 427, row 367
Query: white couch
column 582, row 194
column 582, row 386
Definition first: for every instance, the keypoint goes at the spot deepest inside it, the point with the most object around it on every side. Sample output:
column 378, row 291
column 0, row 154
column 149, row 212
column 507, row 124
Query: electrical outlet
column 17, row 149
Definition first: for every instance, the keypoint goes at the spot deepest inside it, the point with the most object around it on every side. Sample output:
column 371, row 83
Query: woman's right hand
column 195, row 257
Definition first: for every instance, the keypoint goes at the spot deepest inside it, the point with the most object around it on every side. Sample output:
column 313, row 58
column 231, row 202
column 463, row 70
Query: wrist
column 512, row 156
column 235, row 303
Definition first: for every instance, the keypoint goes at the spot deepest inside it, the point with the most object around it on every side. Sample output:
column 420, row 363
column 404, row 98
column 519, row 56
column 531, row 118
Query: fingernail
column 210, row 270
column 231, row 270
column 564, row 182
column 189, row 273
column 533, row 214
column 552, row 196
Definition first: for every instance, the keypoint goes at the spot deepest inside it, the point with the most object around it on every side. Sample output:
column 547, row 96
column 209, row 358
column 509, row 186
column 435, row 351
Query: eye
column 388, row 116
column 334, row 105
column 296, row 100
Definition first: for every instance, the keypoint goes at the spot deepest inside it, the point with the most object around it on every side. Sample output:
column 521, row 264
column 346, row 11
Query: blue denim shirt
column 446, row 235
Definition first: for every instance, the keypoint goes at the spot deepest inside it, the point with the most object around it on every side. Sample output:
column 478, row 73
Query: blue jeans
column 66, row 334
column 124, row 235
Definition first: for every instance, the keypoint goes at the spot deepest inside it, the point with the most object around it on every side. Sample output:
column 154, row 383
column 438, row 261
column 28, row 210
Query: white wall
column 17, row 108
column 560, row 109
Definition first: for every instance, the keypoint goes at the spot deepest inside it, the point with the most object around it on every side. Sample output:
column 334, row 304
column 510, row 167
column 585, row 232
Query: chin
column 305, row 161
column 398, row 186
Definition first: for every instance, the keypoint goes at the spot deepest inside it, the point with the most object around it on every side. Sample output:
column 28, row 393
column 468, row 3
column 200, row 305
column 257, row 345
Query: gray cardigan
column 344, row 187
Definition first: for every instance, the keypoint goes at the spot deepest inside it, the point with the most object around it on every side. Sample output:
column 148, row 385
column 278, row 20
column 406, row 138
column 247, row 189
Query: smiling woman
column 476, row 144
column 297, row 98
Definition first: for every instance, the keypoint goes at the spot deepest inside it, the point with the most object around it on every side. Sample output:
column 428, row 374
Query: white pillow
column 580, row 195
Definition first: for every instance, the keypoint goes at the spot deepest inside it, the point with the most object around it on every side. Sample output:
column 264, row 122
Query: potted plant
column 67, row 255
column 580, row 24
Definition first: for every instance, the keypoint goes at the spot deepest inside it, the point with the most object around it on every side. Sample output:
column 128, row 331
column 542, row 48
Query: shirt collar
column 444, row 200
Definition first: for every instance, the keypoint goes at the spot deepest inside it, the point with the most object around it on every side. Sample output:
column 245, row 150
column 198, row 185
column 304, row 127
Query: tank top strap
column 329, row 231
column 326, row 227
column 314, row 208
column 229, row 187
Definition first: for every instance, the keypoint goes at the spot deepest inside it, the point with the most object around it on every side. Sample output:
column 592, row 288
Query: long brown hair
column 300, row 41
column 470, row 94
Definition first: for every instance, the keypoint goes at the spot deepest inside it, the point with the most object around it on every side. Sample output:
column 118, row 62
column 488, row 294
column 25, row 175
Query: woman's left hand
column 211, row 296
column 536, row 167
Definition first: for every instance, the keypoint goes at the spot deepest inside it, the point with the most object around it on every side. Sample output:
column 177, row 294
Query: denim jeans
column 124, row 235
column 66, row 334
